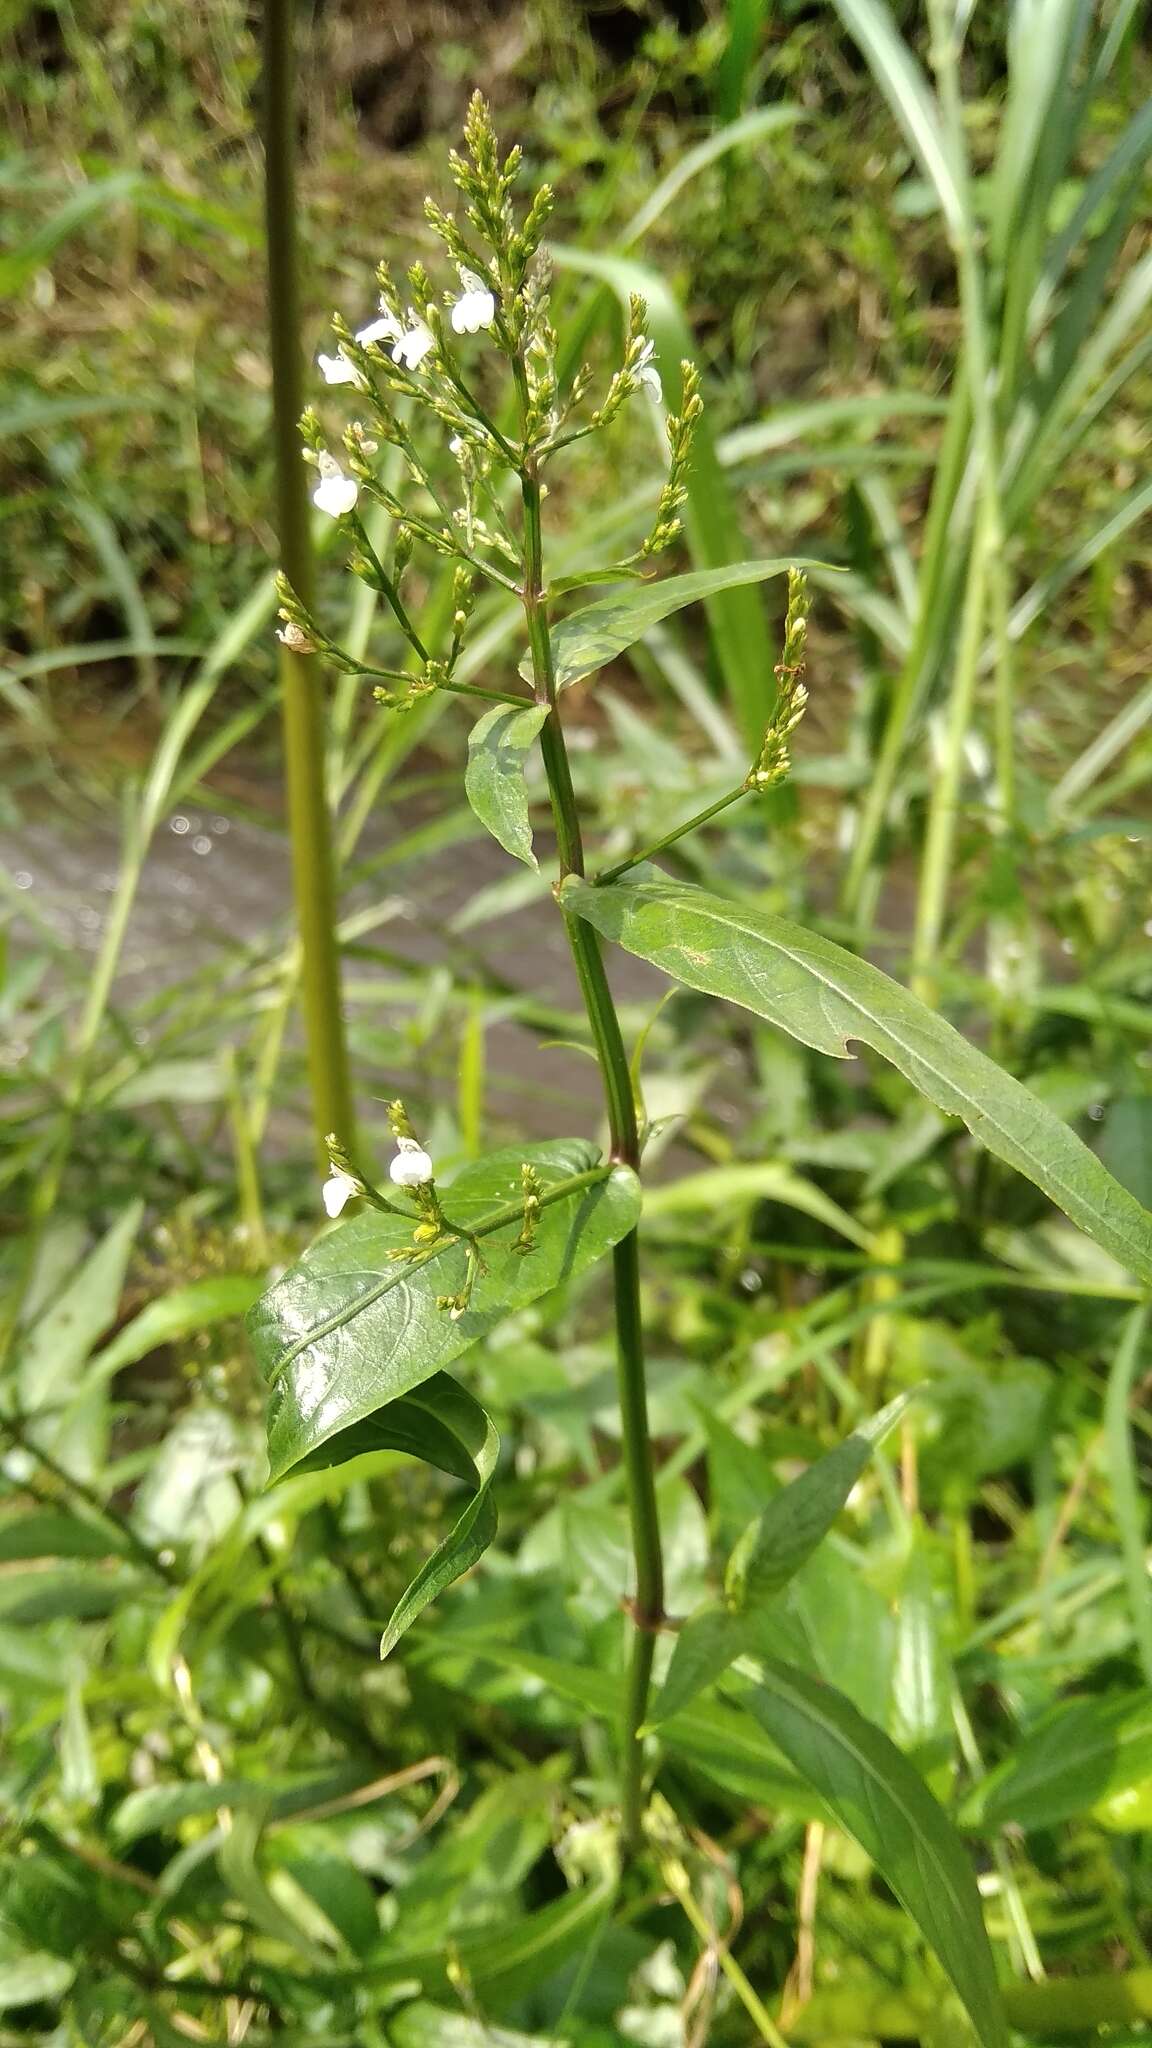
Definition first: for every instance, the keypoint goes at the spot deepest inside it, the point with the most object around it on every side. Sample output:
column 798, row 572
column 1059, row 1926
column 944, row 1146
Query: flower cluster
column 775, row 761
column 406, row 364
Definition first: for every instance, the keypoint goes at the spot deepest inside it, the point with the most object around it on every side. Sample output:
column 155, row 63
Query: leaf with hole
column 498, row 748
column 825, row 996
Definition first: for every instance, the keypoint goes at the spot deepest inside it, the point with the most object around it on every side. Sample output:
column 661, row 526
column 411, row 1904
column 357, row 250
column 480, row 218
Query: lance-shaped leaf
column 587, row 639
column 795, row 1521
column 1083, row 1751
column 825, row 996
column 878, row 1797
column 498, row 747
column 772, row 1549
column 350, row 1328
column 444, row 1425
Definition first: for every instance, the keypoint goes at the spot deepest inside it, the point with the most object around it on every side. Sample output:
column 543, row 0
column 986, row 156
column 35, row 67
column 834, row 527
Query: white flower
column 335, row 493
column 338, row 369
column 476, row 307
column 386, row 328
column 296, row 638
column 645, row 372
column 411, row 347
column 338, row 1189
column 411, row 1166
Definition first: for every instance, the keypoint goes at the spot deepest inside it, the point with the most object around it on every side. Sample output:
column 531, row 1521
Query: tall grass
column 1047, row 344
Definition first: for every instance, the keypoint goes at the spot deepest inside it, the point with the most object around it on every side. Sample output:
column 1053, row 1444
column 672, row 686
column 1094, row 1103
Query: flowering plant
column 356, row 1338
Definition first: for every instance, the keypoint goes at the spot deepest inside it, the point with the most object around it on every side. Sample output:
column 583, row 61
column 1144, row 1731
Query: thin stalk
column 301, row 690
column 755, row 2008
column 939, row 845
column 648, row 1606
column 670, row 838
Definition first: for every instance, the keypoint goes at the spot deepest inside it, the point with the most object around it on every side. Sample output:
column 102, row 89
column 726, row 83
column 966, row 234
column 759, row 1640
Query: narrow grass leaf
column 1127, row 1500
column 910, row 97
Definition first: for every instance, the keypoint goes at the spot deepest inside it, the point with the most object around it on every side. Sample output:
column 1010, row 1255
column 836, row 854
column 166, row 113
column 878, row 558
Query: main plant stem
column 648, row 1606
column 300, row 681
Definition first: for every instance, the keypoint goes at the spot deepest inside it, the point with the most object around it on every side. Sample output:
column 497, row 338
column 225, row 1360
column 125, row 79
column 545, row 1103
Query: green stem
column 648, row 1606
column 385, row 585
column 670, row 838
column 304, row 754
column 755, row 2007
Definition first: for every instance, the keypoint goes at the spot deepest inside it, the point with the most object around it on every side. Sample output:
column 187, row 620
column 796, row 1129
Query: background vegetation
column 225, row 1819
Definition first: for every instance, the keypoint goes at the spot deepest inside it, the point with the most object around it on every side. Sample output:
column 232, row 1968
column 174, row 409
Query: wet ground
column 215, row 891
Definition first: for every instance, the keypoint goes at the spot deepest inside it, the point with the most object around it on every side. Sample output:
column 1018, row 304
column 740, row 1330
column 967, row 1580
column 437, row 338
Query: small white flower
column 411, row 1166
column 476, row 307
column 296, row 638
column 386, row 328
column 411, row 347
column 338, row 1189
column 646, row 373
column 335, row 493
column 338, row 369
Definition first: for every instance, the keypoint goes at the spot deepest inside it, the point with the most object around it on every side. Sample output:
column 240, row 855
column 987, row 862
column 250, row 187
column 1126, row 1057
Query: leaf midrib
column 776, row 1677
column 804, row 961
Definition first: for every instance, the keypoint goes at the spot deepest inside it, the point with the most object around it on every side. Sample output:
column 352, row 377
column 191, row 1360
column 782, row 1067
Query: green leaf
column 825, row 996
column 54, row 1349
column 179, row 1313
column 910, row 97
column 706, row 1645
column 349, row 1328
column 152, row 1809
column 498, row 746
column 588, row 639
column 879, row 1798
column 77, row 1593
column 48, row 1533
column 345, row 1898
column 33, row 1979
column 717, row 1187
column 783, row 1537
column 720, row 1742
column 1084, row 1751
column 1124, row 1474
column 434, row 2026
column 441, row 1423
column 771, row 1551
column 921, row 1710
column 237, row 1862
